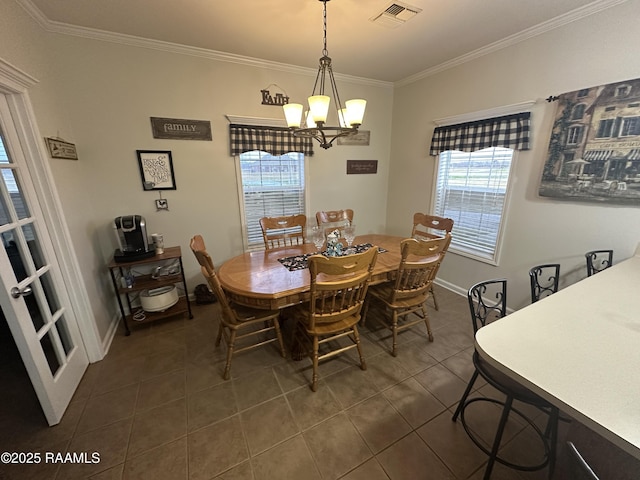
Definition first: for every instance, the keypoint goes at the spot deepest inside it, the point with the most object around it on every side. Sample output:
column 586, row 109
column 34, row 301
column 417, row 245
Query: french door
column 33, row 297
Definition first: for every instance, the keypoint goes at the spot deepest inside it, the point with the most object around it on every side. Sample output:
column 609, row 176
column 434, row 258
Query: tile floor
column 157, row 408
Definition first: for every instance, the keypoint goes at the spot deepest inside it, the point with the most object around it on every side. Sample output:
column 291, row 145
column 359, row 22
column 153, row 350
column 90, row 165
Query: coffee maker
column 131, row 232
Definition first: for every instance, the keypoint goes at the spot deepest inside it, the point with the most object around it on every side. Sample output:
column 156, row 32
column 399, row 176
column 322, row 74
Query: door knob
column 16, row 292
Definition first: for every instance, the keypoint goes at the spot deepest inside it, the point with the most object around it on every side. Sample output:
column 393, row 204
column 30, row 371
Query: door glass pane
column 4, row 212
column 63, row 333
column 50, row 293
column 15, row 256
column 34, row 245
column 48, row 347
column 4, row 158
column 15, row 192
column 37, row 317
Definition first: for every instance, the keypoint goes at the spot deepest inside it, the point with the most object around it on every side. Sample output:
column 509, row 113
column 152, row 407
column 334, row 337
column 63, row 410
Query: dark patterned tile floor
column 157, row 408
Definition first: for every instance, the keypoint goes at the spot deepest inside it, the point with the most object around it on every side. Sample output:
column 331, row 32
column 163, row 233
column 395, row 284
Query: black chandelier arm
column 325, row 135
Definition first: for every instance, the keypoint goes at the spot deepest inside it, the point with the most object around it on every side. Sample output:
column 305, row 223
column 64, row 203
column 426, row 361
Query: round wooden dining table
column 260, row 280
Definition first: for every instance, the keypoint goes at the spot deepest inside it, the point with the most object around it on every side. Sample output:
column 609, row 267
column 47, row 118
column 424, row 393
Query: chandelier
column 312, row 123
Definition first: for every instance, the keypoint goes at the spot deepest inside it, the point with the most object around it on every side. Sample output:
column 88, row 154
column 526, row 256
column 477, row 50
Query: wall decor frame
column 180, row 129
column 156, row 169
column 361, row 138
column 594, row 149
column 162, row 204
column 357, row 167
column 61, row 149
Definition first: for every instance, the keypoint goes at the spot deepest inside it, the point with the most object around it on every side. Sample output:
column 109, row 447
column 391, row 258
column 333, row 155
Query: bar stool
column 598, row 260
column 544, row 280
column 488, row 302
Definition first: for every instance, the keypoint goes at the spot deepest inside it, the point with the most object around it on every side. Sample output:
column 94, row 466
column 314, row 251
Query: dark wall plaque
column 362, row 166
column 180, row 129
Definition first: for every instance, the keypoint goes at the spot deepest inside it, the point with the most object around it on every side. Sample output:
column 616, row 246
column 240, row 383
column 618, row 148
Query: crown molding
column 569, row 17
column 53, row 26
column 131, row 40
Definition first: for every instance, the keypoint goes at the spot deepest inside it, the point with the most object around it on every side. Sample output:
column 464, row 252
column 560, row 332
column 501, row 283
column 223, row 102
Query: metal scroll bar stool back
column 488, row 302
column 544, row 280
column 598, row 260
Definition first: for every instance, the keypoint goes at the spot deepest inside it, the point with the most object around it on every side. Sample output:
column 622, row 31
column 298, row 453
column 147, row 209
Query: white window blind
column 272, row 186
column 471, row 188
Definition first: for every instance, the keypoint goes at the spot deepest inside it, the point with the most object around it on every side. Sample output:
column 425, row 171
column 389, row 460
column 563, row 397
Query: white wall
column 100, row 95
column 597, row 50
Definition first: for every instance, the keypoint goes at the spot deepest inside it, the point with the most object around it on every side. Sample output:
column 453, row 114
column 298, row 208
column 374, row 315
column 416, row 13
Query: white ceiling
column 445, row 33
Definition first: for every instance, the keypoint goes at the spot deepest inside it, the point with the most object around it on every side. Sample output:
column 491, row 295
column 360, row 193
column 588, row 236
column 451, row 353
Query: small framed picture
column 61, row 149
column 156, row 169
column 162, row 204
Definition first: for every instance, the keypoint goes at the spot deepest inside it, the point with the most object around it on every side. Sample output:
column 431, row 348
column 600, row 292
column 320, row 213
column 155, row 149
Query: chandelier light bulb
column 319, row 107
column 293, row 114
column 355, row 111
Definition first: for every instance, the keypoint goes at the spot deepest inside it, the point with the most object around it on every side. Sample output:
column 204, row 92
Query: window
column 271, row 186
column 578, row 111
column 622, row 91
column 471, row 188
column 605, row 128
column 630, row 126
column 574, row 135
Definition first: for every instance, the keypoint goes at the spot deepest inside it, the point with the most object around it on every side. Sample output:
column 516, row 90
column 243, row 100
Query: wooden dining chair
column 338, row 289
column 544, row 280
column 426, row 227
column 598, row 260
column 488, row 302
column 407, row 295
column 237, row 323
column 332, row 219
column 283, row 231
column 430, row 226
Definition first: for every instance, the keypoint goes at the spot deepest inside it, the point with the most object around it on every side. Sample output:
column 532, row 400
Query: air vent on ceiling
column 395, row 15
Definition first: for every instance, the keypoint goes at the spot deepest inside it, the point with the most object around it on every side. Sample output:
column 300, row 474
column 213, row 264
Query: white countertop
column 579, row 349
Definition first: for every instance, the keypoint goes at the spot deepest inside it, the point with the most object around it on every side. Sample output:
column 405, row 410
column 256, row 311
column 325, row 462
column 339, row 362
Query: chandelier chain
column 324, row 19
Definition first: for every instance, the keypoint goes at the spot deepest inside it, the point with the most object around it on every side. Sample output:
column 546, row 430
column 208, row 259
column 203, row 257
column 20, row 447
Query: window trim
column 495, row 260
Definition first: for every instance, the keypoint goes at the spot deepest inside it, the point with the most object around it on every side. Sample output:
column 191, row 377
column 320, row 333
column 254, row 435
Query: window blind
column 272, row 186
column 471, row 189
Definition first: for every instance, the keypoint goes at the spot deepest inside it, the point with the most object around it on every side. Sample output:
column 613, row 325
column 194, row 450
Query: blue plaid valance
column 273, row 140
column 509, row 131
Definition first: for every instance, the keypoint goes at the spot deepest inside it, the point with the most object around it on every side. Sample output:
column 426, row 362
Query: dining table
column 261, row 279
column 580, row 350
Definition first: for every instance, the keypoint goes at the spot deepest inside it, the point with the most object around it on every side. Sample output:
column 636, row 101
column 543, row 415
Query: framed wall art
column 61, row 149
column 156, row 169
column 361, row 138
column 594, row 149
column 358, row 167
